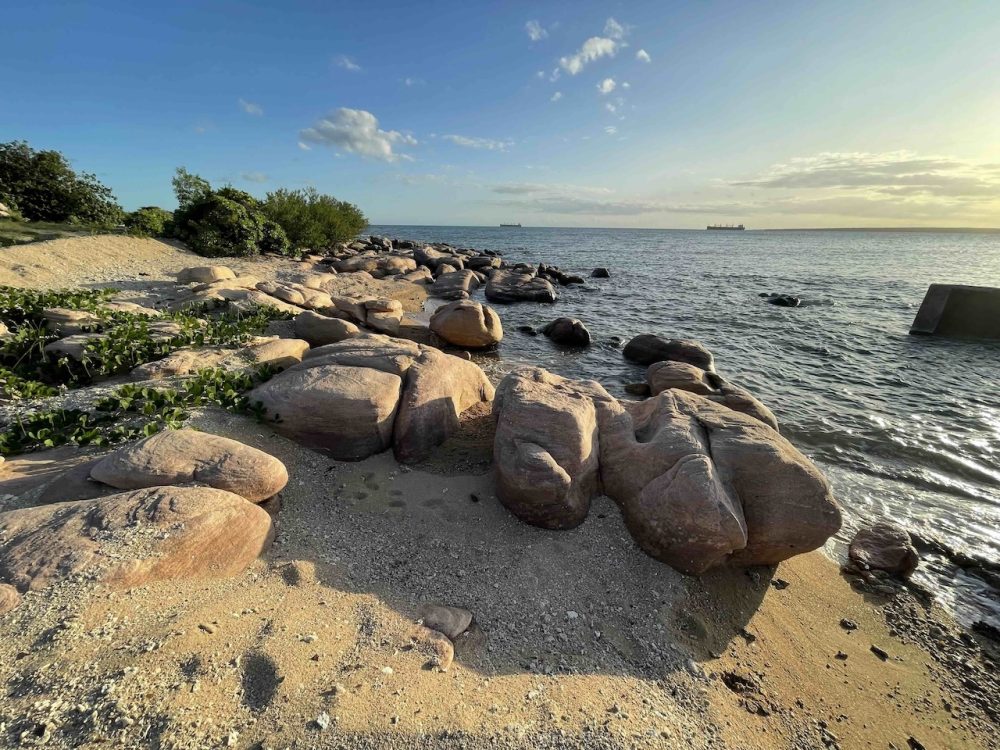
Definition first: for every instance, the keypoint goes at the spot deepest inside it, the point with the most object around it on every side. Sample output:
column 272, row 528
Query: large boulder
column 662, row 376
column 204, row 274
column 320, row 330
column 9, row 598
column 133, row 538
column 567, row 332
column 647, row 348
column 701, row 484
column 884, row 546
column 545, row 454
column 509, row 285
column 467, row 324
column 296, row 294
column 455, row 285
column 181, row 456
column 63, row 321
column 355, row 398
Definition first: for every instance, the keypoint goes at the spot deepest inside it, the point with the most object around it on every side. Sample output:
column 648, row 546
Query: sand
column 579, row 639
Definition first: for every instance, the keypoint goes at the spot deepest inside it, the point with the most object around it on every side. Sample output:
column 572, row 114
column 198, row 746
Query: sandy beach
column 579, row 639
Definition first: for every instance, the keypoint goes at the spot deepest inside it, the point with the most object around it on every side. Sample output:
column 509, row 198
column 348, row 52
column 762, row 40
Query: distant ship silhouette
column 729, row 227
column 510, row 225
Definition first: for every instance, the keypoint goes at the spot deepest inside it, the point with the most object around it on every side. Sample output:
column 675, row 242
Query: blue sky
column 649, row 114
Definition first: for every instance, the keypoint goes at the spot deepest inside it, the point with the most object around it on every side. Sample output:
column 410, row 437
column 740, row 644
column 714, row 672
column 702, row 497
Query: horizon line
column 988, row 230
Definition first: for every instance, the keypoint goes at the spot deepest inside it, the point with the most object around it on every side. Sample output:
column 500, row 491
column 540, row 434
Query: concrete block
column 959, row 311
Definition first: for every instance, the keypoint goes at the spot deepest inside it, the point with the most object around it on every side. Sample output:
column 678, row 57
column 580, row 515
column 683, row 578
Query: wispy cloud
column 596, row 47
column 536, row 32
column 408, row 81
column 486, row 144
column 357, row 132
column 606, row 86
column 611, row 130
column 254, row 177
column 251, row 108
column 556, row 96
column 345, row 62
column 305, row 146
column 614, row 29
column 643, row 56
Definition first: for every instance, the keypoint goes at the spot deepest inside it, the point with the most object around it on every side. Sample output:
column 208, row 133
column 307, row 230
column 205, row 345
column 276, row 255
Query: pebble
column 323, row 721
column 848, row 624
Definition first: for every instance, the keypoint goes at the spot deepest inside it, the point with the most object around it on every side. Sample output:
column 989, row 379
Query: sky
column 585, row 113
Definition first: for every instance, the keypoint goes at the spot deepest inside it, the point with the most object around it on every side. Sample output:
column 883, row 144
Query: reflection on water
column 906, row 427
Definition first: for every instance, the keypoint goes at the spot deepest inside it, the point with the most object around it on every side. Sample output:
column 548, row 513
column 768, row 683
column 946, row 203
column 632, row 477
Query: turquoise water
column 906, row 427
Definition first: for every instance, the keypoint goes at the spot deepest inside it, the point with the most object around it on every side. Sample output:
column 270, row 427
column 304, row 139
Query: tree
column 313, row 220
column 149, row 221
column 216, row 226
column 44, row 187
column 189, row 188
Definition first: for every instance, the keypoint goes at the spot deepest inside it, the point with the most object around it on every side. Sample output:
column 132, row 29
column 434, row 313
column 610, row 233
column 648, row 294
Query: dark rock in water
column 884, row 546
column 568, row 332
column 527, row 329
column 600, row 273
column 637, row 389
column 960, row 311
column 568, row 279
column 510, row 285
column 647, row 348
column 783, row 300
column 987, row 630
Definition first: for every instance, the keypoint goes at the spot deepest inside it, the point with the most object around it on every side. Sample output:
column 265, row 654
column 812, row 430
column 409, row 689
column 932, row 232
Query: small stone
column 210, row 629
column 848, row 624
column 387, row 670
column 780, row 584
column 323, row 721
column 880, row 653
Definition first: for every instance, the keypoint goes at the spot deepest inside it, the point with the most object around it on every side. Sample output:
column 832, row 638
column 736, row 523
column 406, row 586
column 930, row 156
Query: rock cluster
column 699, row 484
column 359, row 396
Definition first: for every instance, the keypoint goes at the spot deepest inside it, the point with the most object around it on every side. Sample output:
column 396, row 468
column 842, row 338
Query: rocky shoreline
column 698, row 474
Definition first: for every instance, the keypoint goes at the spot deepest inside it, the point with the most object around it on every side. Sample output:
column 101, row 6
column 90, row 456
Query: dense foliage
column 149, row 221
column 312, row 220
column 224, row 222
column 42, row 186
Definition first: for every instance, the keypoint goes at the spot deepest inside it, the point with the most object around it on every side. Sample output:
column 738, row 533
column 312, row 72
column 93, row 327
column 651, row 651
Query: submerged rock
column 600, row 273
column 568, row 332
column 647, row 348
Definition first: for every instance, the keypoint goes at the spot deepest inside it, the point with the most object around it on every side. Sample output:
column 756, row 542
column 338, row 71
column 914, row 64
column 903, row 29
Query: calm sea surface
column 906, row 427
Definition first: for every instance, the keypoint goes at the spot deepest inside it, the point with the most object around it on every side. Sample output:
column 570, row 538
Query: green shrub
column 43, row 187
column 313, row 220
column 216, row 226
column 189, row 188
column 149, row 221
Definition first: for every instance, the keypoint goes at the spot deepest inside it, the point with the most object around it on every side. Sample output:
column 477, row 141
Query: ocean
column 907, row 428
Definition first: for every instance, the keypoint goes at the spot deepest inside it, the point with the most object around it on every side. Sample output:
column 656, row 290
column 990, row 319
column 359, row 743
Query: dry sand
column 579, row 639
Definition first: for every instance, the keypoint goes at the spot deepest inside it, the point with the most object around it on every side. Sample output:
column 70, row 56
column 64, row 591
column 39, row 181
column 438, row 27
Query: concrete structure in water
column 959, row 311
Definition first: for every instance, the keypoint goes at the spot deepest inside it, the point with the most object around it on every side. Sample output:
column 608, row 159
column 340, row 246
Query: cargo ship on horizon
column 727, row 227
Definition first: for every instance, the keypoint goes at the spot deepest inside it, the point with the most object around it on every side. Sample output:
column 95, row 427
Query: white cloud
column 305, row 146
column 536, row 32
column 487, row 144
column 593, row 49
column 610, row 130
column 540, row 74
column 626, row 85
column 343, row 61
column 606, row 86
column 413, row 81
column 254, row 177
column 614, row 29
column 611, row 107
column 250, row 108
column 356, row 131
column 643, row 56
column 556, row 96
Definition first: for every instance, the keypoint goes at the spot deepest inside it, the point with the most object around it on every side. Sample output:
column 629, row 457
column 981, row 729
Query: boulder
column 509, row 285
column 367, row 263
column 278, row 352
column 647, row 348
column 452, row 621
column 884, row 546
column 700, row 484
column 600, row 273
column 783, row 300
column 662, row 376
column 320, row 330
column 456, row 285
column 181, row 362
column 467, row 324
column 568, row 332
column 9, row 598
column 355, row 398
column 546, row 452
column 296, row 294
column 395, row 265
column 204, row 274
column 133, row 538
column 384, row 321
column 182, row 456
column 65, row 322
column 346, row 412
column 74, row 347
